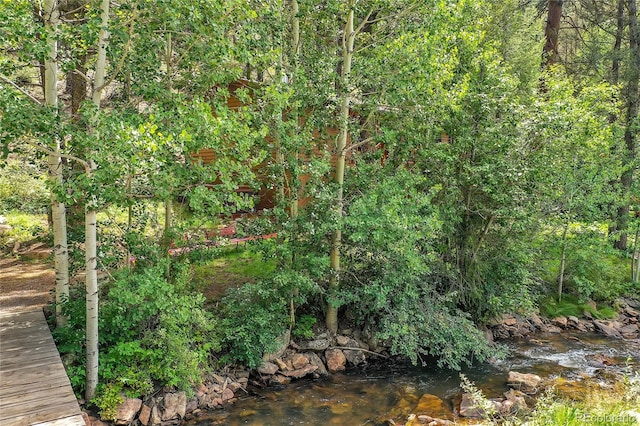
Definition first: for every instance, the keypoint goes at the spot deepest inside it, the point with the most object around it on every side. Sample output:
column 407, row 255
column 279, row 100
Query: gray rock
column 315, row 360
column 607, row 330
column 174, row 405
column 315, row 345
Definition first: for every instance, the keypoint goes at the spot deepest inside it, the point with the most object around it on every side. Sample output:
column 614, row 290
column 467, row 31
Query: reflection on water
column 376, row 393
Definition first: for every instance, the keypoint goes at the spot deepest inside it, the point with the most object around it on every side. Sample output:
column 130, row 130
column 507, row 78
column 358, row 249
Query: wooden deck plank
column 34, row 387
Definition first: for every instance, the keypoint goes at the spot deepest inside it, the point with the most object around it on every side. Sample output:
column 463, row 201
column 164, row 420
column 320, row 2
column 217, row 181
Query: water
column 379, row 392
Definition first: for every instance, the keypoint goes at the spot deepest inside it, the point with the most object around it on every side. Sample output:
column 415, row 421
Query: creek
column 377, row 392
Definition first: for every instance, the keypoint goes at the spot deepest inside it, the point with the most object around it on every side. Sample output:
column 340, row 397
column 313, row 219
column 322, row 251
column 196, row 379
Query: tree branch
column 20, row 89
column 84, row 163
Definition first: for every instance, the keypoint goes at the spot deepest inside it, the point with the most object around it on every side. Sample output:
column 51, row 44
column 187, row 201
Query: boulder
column 607, row 329
column 299, row 361
column 560, row 322
column 316, row 361
column 524, row 382
column 127, row 411
column 535, row 320
column 433, row 406
column 300, row 372
column 515, row 402
column 227, row 394
column 174, row 406
column 336, row 360
column 145, row 415
column 468, row 408
column 630, row 331
column 268, row 368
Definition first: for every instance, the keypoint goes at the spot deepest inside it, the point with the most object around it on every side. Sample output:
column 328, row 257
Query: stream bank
column 347, row 381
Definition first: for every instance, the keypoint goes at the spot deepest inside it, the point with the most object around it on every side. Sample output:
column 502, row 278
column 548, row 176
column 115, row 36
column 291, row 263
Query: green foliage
column 152, row 331
column 25, row 227
column 255, row 315
column 388, row 279
column 572, row 306
column 22, row 187
column 108, row 398
column 304, row 327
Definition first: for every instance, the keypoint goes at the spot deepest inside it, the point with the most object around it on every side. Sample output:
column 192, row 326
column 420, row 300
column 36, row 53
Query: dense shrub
column 389, row 279
column 255, row 315
column 152, row 331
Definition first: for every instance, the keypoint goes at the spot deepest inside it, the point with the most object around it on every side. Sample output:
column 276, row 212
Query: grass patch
column 602, row 406
column 571, row 306
column 25, row 228
column 233, row 269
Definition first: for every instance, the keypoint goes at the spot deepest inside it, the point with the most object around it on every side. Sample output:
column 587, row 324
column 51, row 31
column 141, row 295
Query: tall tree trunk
column 58, row 209
column 91, row 221
column 563, row 261
column 348, row 39
column 615, row 78
column 554, row 15
column 631, row 131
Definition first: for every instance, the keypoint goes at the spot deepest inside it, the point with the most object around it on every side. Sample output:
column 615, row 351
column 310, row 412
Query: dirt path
column 25, row 285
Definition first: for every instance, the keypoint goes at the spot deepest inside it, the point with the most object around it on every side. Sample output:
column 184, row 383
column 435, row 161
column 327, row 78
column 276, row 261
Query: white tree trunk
column 348, row 40
column 91, row 222
column 58, row 210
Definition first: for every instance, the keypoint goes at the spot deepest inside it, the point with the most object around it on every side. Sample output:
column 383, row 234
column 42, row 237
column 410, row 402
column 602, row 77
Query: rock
column 469, row 409
column 336, row 360
column 218, row 379
column 235, row 386
column 433, row 406
column 553, row 329
column 607, row 330
column 560, row 322
column 315, row 345
column 155, row 418
column 354, row 357
column 299, row 361
column 343, row 340
column 527, row 383
column 630, row 331
column 227, row 394
column 316, row 361
column 535, row 320
column 283, row 344
column 95, row 422
column 515, row 402
column 192, row 405
column 281, row 364
column 268, row 368
column 510, row 321
column 126, row 412
column 174, row 405
column 432, row 421
column 301, row 372
column 145, row 415
column 279, row 379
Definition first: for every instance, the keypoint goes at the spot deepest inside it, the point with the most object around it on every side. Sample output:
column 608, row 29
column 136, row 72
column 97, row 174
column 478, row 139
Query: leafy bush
column 255, row 315
column 151, row 331
column 304, row 327
column 388, row 279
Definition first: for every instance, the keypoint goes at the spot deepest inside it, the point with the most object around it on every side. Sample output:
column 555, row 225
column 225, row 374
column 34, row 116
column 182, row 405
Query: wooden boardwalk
column 34, row 387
